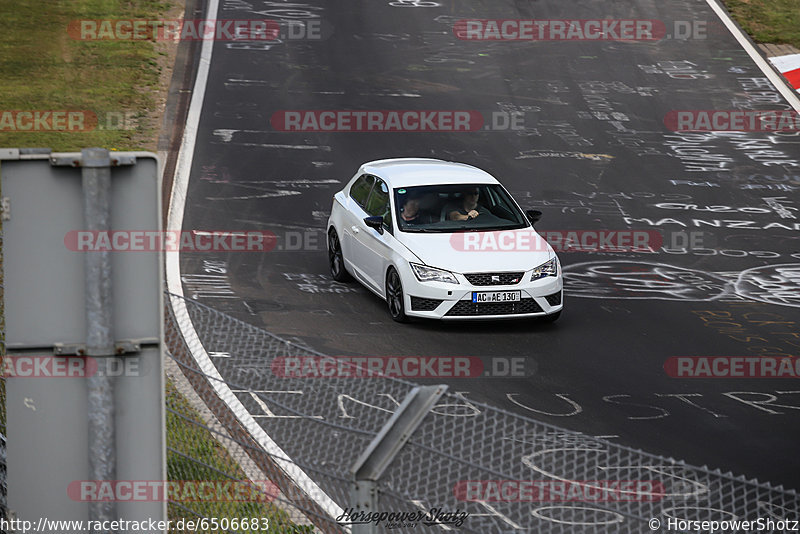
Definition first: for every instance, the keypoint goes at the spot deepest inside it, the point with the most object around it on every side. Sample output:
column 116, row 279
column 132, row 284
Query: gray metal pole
column 96, row 181
column 384, row 448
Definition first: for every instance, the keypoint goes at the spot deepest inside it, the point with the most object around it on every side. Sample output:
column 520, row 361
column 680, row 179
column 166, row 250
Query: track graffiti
column 771, row 284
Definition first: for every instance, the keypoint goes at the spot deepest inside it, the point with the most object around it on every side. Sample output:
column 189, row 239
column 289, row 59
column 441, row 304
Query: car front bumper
column 439, row 300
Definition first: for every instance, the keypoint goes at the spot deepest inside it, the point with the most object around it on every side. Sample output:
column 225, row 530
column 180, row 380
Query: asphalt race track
column 590, row 149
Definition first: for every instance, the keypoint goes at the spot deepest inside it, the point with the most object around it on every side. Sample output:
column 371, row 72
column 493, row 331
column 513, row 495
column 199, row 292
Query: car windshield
column 456, row 208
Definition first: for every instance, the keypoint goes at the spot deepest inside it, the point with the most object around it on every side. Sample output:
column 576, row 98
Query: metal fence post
column 51, row 264
column 380, row 453
column 96, row 183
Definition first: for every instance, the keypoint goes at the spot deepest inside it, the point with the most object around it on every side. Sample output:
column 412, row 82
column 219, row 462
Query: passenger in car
column 411, row 214
column 469, row 208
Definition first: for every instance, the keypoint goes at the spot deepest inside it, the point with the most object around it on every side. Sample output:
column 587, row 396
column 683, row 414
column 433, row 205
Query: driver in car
column 469, row 208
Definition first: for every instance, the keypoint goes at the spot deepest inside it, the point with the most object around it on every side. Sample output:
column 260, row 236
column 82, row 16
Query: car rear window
column 361, row 188
column 378, row 204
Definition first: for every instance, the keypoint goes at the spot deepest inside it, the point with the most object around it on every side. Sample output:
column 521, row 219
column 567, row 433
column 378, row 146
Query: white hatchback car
column 442, row 240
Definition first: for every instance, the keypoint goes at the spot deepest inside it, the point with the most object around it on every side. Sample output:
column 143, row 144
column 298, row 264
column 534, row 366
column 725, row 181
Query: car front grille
column 554, row 299
column 422, row 304
column 493, row 279
column 468, row 308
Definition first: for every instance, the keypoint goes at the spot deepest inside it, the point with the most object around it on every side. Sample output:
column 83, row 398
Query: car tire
column 553, row 317
column 395, row 297
column 336, row 258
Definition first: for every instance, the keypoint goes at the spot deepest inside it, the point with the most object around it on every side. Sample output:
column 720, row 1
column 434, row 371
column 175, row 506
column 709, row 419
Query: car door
column 374, row 249
column 352, row 222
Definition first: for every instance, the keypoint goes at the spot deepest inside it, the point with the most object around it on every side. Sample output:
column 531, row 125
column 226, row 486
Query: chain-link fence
column 510, row 473
column 199, row 455
column 282, row 449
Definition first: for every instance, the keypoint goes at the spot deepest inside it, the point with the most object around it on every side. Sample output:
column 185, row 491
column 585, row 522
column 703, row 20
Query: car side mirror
column 375, row 222
column 533, row 216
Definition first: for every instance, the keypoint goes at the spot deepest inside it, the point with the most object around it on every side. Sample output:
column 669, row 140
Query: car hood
column 471, row 252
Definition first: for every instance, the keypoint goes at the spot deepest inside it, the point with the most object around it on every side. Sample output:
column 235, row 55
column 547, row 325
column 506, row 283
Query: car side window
column 378, row 203
column 361, row 188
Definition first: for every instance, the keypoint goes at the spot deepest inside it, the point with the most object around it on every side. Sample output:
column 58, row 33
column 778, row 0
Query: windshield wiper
column 485, row 228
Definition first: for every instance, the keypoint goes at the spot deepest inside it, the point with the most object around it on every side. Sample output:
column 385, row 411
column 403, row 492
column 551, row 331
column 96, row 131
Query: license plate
column 496, row 296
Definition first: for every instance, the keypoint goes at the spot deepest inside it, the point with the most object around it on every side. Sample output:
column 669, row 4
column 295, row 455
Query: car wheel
column 335, row 258
column 394, row 296
column 553, row 317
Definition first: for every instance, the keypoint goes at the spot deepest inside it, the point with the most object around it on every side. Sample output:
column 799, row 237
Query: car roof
column 408, row 172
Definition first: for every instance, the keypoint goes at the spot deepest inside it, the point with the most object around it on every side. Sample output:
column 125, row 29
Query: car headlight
column 548, row 268
column 432, row 274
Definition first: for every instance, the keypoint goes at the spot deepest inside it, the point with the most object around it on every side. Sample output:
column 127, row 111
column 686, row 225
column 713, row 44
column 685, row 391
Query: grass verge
column 194, row 454
column 43, row 68
column 768, row 21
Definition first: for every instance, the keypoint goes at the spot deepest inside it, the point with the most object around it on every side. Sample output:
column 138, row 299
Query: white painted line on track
column 174, row 222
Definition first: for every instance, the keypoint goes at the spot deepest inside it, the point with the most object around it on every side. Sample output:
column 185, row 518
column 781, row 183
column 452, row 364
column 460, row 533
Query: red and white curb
column 789, row 66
